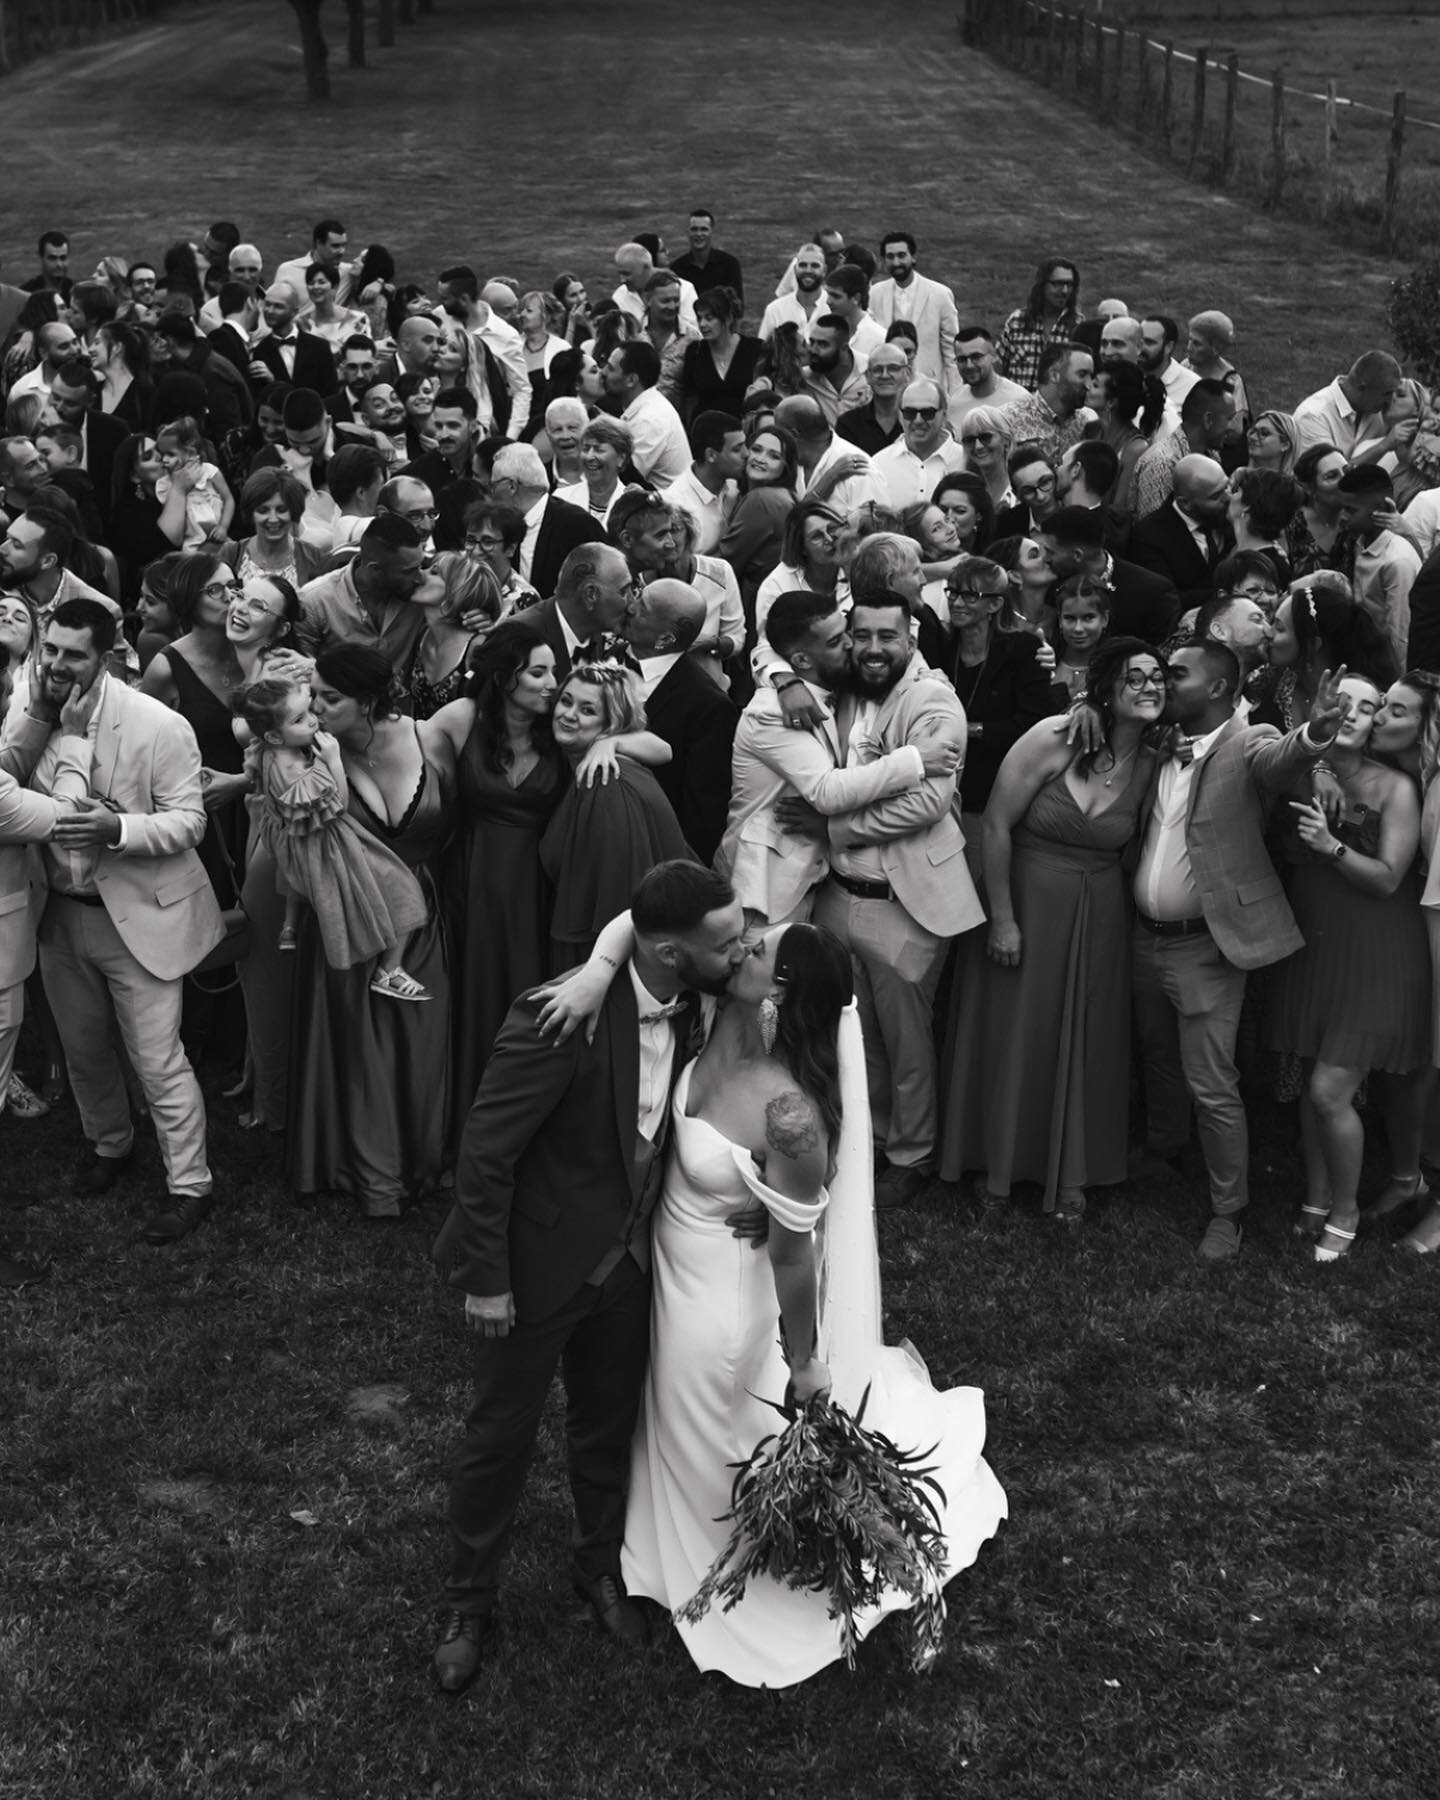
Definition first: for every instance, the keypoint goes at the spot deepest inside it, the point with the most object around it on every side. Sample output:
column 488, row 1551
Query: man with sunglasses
column 908, row 472
column 981, row 383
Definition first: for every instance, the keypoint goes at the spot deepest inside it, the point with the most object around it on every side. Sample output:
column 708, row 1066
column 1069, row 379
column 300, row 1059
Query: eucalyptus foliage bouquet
column 828, row 1507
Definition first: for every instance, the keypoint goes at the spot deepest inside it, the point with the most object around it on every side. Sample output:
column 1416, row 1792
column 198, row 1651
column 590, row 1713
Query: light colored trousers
column 897, row 965
column 88, row 972
column 12, row 1012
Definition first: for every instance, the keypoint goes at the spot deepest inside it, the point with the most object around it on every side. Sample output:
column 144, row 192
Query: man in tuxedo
column 594, row 593
column 239, row 309
column 899, row 888
column 73, row 400
column 357, row 371
column 1210, row 907
column 775, row 867
column 1189, row 536
column 1036, row 487
column 560, row 1166
column 130, row 913
column 927, row 305
column 553, row 528
column 285, row 354
column 684, row 706
column 1142, row 604
column 228, row 401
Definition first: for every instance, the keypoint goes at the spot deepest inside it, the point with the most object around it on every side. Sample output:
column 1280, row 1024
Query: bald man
column 287, row 354
column 841, row 471
column 1187, row 537
column 1348, row 413
column 909, row 470
column 636, row 266
column 1120, row 342
column 684, row 706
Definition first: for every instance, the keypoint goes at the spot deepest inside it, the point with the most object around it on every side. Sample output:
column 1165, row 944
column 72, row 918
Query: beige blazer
column 922, row 847
column 935, row 320
column 147, row 766
column 27, row 819
column 770, row 868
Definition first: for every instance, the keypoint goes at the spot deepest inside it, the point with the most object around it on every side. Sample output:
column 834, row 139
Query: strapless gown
column 713, row 1349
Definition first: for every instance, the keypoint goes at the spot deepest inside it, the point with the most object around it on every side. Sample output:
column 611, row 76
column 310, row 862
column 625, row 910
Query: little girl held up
column 209, row 504
column 364, row 898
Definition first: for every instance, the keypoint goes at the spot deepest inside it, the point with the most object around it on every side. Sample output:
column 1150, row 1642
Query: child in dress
column 209, row 504
column 364, row 898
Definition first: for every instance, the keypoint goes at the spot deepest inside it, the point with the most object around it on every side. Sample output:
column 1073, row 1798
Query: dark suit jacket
column 1423, row 649
column 314, row 363
column 1005, row 698
column 563, row 529
column 546, row 1174
column 697, row 720
column 226, row 341
column 1142, row 604
column 545, row 617
column 104, row 434
column 227, row 395
column 453, row 493
column 1013, row 521
column 1162, row 542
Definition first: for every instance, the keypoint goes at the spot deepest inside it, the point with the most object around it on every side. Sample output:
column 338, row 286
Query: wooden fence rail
column 31, row 28
column 1222, row 123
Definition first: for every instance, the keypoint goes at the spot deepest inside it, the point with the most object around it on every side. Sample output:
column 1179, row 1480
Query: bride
column 767, row 1209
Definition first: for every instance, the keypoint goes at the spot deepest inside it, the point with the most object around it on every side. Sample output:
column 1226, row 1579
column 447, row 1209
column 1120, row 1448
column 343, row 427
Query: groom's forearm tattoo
column 790, row 1124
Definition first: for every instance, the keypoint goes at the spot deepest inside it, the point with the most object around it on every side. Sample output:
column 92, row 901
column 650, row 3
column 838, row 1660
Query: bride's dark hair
column 812, row 967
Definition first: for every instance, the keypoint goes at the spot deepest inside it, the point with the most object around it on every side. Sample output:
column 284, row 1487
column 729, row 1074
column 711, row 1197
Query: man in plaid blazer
column 1210, row 906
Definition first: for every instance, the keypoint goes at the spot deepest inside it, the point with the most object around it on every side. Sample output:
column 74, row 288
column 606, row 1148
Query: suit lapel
column 625, row 1068
column 1227, row 731
column 107, row 740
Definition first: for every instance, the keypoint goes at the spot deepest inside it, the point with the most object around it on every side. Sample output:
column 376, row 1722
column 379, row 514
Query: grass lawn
column 1219, row 1580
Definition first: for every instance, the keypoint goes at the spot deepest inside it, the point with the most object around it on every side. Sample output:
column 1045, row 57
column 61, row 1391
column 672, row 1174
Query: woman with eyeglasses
column 1271, row 442
column 1129, row 406
column 494, row 532
column 1356, row 997
column 1039, row 1051
column 986, row 441
column 1314, row 532
column 811, row 558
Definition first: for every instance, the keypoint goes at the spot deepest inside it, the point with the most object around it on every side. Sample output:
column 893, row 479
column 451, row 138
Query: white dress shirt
column 789, row 310
column 1164, row 882
column 657, row 1057
column 709, row 511
column 533, row 520
column 904, row 479
column 661, row 450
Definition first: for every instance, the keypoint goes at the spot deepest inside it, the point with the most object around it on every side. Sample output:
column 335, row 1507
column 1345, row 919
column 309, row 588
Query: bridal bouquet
column 832, row 1508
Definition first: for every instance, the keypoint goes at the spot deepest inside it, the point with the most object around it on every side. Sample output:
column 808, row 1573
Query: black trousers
column 601, row 1340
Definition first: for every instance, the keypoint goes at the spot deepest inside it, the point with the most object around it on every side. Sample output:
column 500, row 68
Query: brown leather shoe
column 464, row 1638
column 178, row 1217
column 615, row 1613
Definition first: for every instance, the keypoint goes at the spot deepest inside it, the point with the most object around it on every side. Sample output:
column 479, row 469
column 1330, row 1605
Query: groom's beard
column 690, row 977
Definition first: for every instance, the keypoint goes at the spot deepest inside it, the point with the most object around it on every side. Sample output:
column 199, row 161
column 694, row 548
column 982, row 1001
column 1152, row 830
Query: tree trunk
column 356, row 9
column 317, row 54
column 385, row 25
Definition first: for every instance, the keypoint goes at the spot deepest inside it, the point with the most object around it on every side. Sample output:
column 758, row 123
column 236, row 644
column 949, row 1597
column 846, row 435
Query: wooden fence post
column 1144, row 99
column 1392, row 172
column 407, row 11
column 1331, row 127
column 1047, row 67
column 385, row 24
column 1099, row 64
column 4, row 48
column 1117, row 89
column 1197, row 110
column 1232, row 95
column 1277, row 137
column 1167, row 93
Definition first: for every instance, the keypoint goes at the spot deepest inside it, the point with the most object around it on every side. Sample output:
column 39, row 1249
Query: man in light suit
column 27, row 819
column 927, row 305
column 774, row 869
column 1209, row 907
column 130, row 913
column 899, row 888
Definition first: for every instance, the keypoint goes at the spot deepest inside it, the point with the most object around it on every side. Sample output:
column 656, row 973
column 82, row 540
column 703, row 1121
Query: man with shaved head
column 1187, row 537
column 1120, row 342
column 830, row 469
column 636, row 266
column 807, row 299
column 1348, row 413
column 1207, row 423
column 684, row 706
column 285, row 353
column 59, row 348
column 909, row 470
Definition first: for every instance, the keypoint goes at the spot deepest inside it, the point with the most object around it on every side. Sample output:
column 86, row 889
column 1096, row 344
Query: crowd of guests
column 366, row 636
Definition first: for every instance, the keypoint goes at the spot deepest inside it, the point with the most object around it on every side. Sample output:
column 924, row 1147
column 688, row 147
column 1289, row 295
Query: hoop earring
column 769, row 1023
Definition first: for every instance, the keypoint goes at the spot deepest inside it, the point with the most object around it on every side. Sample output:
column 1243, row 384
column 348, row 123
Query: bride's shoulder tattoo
column 790, row 1124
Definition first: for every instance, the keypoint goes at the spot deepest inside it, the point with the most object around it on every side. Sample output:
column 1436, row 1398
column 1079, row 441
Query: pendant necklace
column 1115, row 768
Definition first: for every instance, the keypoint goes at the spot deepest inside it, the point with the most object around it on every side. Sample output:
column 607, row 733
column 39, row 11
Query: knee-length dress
column 1037, row 1066
column 1358, row 994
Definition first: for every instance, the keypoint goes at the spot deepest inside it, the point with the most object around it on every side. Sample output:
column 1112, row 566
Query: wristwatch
column 1339, row 851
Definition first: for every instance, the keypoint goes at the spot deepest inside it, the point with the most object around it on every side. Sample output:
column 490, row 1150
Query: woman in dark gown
column 716, row 372
column 510, row 778
column 1037, row 1062
column 370, row 1079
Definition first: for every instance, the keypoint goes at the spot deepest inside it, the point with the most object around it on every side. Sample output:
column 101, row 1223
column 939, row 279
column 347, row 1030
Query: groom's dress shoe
column 464, row 1638
column 614, row 1611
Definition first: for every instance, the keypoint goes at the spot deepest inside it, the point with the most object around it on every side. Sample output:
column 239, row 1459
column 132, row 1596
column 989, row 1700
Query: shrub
column 1414, row 313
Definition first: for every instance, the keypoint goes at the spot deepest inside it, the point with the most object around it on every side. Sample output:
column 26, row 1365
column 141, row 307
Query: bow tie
column 1183, row 750
column 682, row 1002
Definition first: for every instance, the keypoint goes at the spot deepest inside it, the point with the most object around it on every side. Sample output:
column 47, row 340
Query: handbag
column 236, row 942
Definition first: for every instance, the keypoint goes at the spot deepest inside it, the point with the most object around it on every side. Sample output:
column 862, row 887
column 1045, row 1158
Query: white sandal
column 395, row 984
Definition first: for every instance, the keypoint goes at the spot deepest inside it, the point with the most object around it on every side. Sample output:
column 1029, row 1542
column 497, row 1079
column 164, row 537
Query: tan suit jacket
column 922, row 847
column 27, row 819
column 147, row 766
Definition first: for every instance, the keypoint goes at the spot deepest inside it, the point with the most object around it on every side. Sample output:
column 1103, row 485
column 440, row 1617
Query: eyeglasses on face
column 416, row 513
column 223, row 587
column 1258, row 590
column 977, row 437
column 1137, row 680
column 484, row 541
column 922, row 414
column 975, row 594
column 1032, row 490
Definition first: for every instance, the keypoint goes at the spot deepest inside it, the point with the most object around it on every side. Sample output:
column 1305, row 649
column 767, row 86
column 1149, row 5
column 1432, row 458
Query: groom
column 559, row 1170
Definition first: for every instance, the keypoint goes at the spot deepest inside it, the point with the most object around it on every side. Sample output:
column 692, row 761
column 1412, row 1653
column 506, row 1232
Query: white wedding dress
column 714, row 1360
